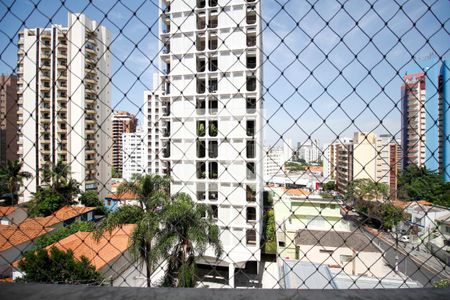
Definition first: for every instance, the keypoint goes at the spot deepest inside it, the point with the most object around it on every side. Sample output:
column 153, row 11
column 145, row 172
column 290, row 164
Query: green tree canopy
column 187, row 231
column 416, row 184
column 57, row 266
column 63, row 232
column 153, row 193
column 12, row 177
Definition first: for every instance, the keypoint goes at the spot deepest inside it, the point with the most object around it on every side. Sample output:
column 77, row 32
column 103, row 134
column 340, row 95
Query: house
column 350, row 251
column 12, row 215
column 439, row 241
column 424, row 214
column 115, row 200
column 109, row 255
column 296, row 274
column 16, row 240
column 296, row 209
column 62, row 217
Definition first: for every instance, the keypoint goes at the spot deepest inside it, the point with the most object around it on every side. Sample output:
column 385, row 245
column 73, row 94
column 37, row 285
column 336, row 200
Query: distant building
column 122, row 122
column 154, row 131
column 366, row 156
column 329, row 161
column 426, row 118
column 133, row 154
column 274, row 160
column 8, row 118
column 64, row 99
column 310, row 150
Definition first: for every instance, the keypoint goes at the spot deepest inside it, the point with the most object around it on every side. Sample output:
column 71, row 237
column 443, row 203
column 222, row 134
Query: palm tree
column 152, row 191
column 12, row 177
column 58, row 178
column 187, row 230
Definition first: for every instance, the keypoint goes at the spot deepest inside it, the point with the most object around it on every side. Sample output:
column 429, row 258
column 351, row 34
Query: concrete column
column 231, row 269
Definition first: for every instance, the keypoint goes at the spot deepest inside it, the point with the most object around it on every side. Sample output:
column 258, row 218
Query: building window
column 250, row 237
column 251, row 214
column 214, row 212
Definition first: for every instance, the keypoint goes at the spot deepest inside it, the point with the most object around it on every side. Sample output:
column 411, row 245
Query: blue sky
column 311, row 73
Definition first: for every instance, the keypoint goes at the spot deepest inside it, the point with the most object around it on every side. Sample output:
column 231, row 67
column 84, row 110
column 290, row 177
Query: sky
column 330, row 67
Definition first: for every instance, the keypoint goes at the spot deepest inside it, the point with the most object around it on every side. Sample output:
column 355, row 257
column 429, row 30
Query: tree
column 329, row 186
column 63, row 232
column 91, row 199
column 57, row 177
column 416, row 184
column 59, row 190
column 12, row 178
column 57, row 266
column 187, row 230
column 44, row 203
column 366, row 189
column 152, row 192
column 270, row 245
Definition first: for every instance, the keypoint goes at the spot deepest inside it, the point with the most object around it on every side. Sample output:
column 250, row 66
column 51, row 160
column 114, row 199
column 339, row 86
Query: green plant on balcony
column 212, row 129
column 201, row 129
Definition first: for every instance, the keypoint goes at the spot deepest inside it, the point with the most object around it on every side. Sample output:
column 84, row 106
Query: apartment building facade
column 425, row 118
column 211, row 85
column 153, row 131
column 134, row 154
column 64, row 102
column 8, row 118
column 122, row 122
column 366, row 156
column 413, row 120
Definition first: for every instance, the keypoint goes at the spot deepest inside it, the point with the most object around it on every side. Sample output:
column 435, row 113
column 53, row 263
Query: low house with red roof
column 115, row 200
column 12, row 215
column 15, row 240
column 109, row 255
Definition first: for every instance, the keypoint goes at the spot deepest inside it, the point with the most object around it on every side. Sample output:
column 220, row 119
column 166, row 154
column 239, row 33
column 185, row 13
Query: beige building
column 8, row 118
column 365, row 157
column 64, row 102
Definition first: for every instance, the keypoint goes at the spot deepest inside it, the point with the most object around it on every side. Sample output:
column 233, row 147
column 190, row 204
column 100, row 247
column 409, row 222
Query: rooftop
column 13, row 235
column 296, row 274
column 63, row 214
column 6, row 210
column 351, row 239
column 100, row 253
column 122, row 196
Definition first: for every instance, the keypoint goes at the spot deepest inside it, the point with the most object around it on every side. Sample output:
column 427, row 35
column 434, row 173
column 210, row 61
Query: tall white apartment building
column 153, row 131
column 309, row 150
column 65, row 102
column 134, row 154
column 274, row 159
column 211, row 84
column 329, row 161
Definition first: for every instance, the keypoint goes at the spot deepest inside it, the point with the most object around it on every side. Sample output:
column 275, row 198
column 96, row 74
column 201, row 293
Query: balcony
column 251, row 149
column 201, row 3
column 250, row 237
column 201, row 149
column 213, row 149
column 213, row 170
column 251, row 16
column 213, row 128
column 201, row 170
column 251, row 215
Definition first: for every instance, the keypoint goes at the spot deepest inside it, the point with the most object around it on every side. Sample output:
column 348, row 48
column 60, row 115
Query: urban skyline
column 142, row 62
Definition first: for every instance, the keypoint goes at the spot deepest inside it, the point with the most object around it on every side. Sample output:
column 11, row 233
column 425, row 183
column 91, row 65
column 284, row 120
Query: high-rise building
column 426, row 118
column 309, row 151
column 153, row 132
column 211, row 84
column 65, row 102
column 274, row 160
column 388, row 162
column 344, row 164
column 8, row 118
column 328, row 161
column 413, row 120
column 122, row 122
column 134, row 154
